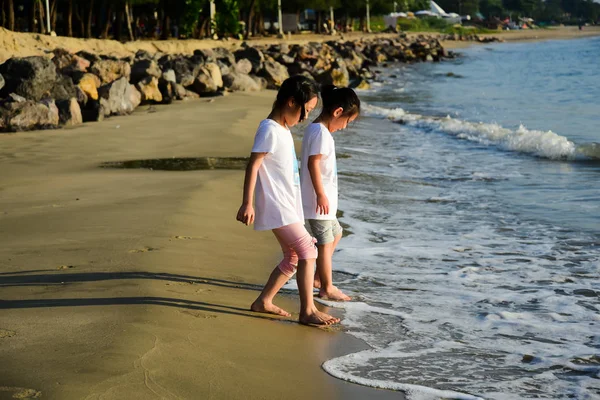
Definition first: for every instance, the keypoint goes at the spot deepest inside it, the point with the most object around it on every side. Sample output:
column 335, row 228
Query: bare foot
column 333, row 294
column 268, row 308
column 318, row 318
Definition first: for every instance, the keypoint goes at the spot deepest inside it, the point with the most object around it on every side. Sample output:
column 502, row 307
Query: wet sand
column 126, row 283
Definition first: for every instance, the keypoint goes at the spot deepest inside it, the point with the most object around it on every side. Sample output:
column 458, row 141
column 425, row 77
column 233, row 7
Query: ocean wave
column 543, row 144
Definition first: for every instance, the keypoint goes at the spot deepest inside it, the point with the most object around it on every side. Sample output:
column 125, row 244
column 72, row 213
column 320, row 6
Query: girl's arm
column 315, row 176
column 246, row 211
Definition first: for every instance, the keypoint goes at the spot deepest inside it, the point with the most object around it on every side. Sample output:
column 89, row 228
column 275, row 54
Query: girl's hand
column 246, row 214
column 322, row 204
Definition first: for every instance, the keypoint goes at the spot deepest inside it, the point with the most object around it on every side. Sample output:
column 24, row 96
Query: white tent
column 437, row 10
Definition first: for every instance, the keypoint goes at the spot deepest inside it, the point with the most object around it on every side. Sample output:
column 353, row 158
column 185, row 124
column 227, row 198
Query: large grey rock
column 120, row 97
column 30, row 77
column 63, row 89
column 240, row 82
column 28, row 115
column 185, row 70
column 69, row 112
column 224, row 55
column 204, row 84
column 142, row 69
column 243, row 66
column 111, row 70
column 169, row 76
column 215, row 73
column 254, row 55
column 274, row 72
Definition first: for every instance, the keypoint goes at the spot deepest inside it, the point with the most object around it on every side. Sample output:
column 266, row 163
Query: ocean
column 471, row 192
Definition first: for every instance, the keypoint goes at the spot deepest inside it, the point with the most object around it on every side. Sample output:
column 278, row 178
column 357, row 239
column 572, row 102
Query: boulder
column 215, row 73
column 206, row 55
column 143, row 55
column 169, row 76
column 28, row 115
column 89, row 84
column 180, row 91
column 254, row 55
column 204, row 84
column 142, row 69
column 1, row 82
column 91, row 57
column 338, row 75
column 63, row 89
column 274, row 72
column 120, row 97
column 167, row 90
column 224, row 56
column 239, row 82
column 185, row 70
column 111, row 70
column 30, row 77
column 361, row 84
column 225, row 69
column 260, row 81
column 149, row 90
column 93, row 111
column 69, row 112
column 243, row 66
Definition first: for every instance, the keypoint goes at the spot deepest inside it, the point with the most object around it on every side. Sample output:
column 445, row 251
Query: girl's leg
column 309, row 315
column 279, row 277
column 325, row 272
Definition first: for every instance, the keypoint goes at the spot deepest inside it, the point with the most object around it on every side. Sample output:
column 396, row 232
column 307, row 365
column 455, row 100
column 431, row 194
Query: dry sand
column 135, row 284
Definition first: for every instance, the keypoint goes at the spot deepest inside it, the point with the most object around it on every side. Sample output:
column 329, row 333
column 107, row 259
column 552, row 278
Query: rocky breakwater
column 68, row 89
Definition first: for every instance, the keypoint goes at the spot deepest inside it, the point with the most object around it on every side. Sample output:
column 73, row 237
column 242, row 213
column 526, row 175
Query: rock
column 1, row 82
column 285, row 59
column 94, row 111
column 191, row 95
column 224, row 56
column 239, row 82
column 274, row 72
column 89, row 84
column 338, row 75
column 80, row 95
column 205, row 55
column 149, row 90
column 30, row 77
column 180, row 91
column 215, row 73
column 361, row 85
column 254, row 55
column 203, row 84
column 69, row 112
column 185, row 70
column 143, row 69
column 111, row 70
column 121, row 97
column 167, row 91
column 243, row 66
column 260, row 81
column 169, row 76
column 88, row 56
column 63, row 89
column 143, row 55
column 225, row 69
column 28, row 115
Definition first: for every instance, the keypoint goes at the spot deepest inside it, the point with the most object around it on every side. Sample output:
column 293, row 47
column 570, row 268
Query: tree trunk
column 53, row 14
column 80, row 19
column 89, row 19
column 42, row 16
column 128, row 16
column 70, row 19
column 249, row 19
column 319, row 21
column 107, row 23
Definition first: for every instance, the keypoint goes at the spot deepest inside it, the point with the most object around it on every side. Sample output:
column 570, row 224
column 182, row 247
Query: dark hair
column 335, row 97
column 301, row 89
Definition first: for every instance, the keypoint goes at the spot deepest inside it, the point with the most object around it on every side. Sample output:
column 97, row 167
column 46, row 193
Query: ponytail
column 335, row 97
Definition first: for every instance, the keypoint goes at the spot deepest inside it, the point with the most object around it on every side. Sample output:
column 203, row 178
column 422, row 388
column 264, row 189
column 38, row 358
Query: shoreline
column 124, row 283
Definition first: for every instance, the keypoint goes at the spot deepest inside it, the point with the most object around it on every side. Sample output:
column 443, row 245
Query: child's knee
column 306, row 247
column 289, row 265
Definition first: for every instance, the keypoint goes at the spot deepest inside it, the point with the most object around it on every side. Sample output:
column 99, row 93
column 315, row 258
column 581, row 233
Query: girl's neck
column 277, row 116
column 322, row 119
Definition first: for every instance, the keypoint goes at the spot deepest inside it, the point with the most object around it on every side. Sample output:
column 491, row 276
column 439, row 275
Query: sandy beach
column 135, row 284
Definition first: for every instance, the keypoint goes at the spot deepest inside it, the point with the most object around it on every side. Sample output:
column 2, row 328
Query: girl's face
column 340, row 121
column 294, row 113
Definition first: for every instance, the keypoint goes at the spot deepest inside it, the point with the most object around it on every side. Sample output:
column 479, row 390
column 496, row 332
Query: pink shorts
column 297, row 244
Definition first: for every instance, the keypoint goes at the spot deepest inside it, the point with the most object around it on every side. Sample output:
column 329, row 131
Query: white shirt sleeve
column 265, row 140
column 320, row 144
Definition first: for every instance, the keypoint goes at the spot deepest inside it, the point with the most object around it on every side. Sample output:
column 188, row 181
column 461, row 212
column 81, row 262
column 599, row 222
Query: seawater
column 472, row 191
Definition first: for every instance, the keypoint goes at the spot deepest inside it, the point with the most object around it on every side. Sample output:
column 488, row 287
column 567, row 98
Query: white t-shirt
column 318, row 140
column 278, row 201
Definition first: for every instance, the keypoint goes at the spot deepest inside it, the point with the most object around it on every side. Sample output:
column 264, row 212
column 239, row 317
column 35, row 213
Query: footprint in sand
column 62, row 267
column 5, row 333
column 181, row 237
column 199, row 315
column 143, row 250
column 22, row 393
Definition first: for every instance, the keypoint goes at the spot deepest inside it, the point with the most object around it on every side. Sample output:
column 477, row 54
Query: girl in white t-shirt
column 319, row 181
column 272, row 184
